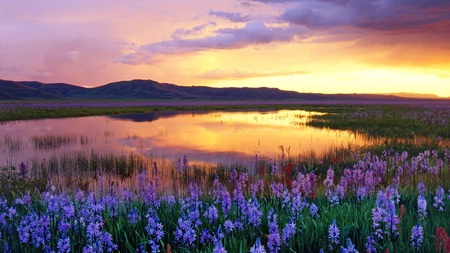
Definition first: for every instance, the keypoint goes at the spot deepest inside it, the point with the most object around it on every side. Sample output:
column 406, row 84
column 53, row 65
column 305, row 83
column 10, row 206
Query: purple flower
column 212, row 214
column 257, row 187
column 439, row 199
column 205, row 236
column 218, row 248
column 274, row 239
column 329, row 181
column 228, row 225
column 421, row 207
column 298, row 204
column 333, row 234
column 35, row 229
column 350, row 247
column 257, row 247
column 64, row 245
column 134, row 216
column 370, row 244
column 185, row 233
column 377, row 219
column 314, row 210
column 416, row 236
column 23, row 169
column 421, row 188
column 154, row 230
column 288, row 232
column 250, row 213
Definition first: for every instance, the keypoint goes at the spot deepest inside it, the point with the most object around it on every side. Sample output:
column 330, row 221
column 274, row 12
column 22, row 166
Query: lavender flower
column 257, row 247
column 35, row 229
column 274, row 240
column 333, row 234
column 218, row 248
column 377, row 219
column 185, row 233
column 370, row 244
column 314, row 210
column 288, row 232
column 134, row 217
column 228, row 225
column 205, row 236
column 417, row 236
column 421, row 207
column 421, row 188
column 350, row 247
column 439, row 199
column 212, row 214
column 63, row 245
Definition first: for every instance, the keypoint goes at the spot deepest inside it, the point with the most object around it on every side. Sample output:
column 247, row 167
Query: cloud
column 231, row 16
column 253, row 33
column 244, row 74
column 400, row 16
column 179, row 33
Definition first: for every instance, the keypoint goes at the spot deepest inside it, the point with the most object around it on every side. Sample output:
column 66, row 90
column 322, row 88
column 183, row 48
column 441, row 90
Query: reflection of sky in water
column 225, row 137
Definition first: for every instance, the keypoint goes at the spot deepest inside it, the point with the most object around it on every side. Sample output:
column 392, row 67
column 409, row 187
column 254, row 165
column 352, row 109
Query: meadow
column 392, row 196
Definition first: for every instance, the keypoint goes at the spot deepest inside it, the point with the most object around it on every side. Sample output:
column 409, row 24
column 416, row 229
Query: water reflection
column 215, row 137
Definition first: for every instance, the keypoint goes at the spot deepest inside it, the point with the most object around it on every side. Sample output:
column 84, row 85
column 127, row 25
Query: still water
column 212, row 137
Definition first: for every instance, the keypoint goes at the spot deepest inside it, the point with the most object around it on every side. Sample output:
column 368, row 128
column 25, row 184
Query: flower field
column 389, row 202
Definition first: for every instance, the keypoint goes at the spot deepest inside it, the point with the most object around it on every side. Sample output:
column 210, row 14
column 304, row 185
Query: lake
column 213, row 137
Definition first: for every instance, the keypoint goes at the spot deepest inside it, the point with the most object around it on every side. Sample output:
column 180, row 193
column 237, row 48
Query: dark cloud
column 375, row 15
column 253, row 33
column 231, row 16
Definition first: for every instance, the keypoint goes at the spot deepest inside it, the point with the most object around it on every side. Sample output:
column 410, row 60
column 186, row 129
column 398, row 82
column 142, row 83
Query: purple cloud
column 231, row 16
column 253, row 33
column 374, row 15
column 193, row 31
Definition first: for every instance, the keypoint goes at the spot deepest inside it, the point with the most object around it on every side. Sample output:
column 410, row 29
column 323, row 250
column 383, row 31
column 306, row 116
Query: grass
column 110, row 210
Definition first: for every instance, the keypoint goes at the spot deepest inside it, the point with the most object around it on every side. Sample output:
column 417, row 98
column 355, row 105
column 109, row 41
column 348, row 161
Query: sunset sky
column 326, row 46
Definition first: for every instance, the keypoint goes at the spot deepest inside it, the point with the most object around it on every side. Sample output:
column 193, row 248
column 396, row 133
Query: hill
column 149, row 89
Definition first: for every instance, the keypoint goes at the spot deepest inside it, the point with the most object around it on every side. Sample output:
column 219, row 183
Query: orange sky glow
column 323, row 46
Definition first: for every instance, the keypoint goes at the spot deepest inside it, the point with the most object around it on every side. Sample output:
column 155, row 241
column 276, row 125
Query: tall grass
column 236, row 209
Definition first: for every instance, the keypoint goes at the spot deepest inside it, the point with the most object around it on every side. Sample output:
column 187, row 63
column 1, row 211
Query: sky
column 321, row 46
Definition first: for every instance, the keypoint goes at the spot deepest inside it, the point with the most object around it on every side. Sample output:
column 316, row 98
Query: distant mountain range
column 149, row 89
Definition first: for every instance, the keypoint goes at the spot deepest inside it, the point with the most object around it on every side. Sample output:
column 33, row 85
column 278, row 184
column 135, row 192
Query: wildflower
column 332, row 197
column 205, row 236
column 218, row 248
column 439, row 199
column 441, row 240
column 421, row 207
column 377, row 219
column 288, row 232
column 64, row 245
column 228, row 225
column 314, row 210
column 350, row 247
column 274, row 240
column 333, row 234
column 421, row 188
column 185, row 233
column 257, row 247
column 212, row 214
column 370, row 244
column 23, row 169
column 328, row 182
column 416, row 236
column 134, row 216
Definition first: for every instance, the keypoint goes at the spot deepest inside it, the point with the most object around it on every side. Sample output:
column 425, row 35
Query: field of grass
column 393, row 196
